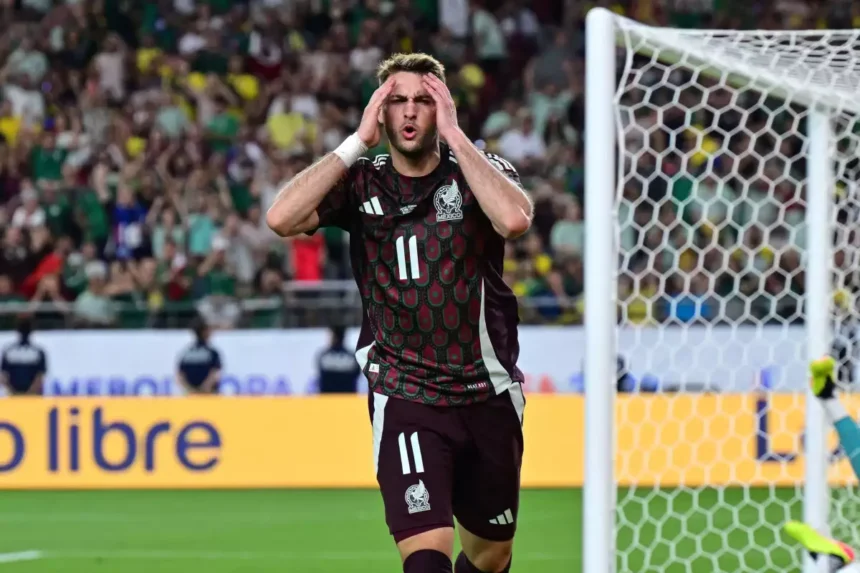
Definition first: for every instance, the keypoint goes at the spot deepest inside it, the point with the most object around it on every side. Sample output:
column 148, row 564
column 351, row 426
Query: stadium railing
column 300, row 304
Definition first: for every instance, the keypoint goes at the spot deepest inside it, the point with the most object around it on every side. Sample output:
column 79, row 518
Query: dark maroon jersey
column 440, row 324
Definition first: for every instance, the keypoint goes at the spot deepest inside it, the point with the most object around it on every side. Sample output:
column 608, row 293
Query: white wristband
column 351, row 149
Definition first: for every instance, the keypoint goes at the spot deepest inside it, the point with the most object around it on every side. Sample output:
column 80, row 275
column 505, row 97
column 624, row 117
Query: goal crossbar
column 770, row 61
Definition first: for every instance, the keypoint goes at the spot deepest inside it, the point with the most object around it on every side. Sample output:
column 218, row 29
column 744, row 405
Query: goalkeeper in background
column 839, row 556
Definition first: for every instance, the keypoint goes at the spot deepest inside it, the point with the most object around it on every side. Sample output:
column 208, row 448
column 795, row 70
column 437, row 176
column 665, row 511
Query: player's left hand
column 446, row 111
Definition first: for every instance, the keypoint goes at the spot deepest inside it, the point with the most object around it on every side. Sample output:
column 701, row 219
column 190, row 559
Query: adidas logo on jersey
column 371, row 207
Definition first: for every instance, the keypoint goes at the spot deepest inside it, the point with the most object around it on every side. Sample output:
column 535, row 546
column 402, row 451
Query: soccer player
column 23, row 363
column 199, row 369
column 438, row 342
column 839, row 556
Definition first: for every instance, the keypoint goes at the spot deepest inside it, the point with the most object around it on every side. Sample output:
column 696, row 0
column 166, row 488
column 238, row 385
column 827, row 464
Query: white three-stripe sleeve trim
column 500, row 163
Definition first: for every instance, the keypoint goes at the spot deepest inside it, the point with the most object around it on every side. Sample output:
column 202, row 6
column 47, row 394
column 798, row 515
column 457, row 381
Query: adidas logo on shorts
column 506, row 518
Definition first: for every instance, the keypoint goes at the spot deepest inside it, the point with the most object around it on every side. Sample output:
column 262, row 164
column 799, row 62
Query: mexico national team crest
column 417, row 498
column 449, row 203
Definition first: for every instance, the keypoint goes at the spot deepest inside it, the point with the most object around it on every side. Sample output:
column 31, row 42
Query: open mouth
column 409, row 132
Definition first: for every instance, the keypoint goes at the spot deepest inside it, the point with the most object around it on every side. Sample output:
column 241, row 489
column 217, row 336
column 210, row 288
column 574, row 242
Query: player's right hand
column 823, row 377
column 369, row 129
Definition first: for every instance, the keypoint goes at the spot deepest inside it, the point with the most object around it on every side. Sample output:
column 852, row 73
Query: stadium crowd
column 142, row 142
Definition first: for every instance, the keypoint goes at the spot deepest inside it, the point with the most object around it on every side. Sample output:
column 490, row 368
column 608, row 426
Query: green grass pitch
column 334, row 531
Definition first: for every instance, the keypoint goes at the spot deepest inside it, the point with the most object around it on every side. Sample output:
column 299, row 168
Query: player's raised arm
column 823, row 383
column 502, row 199
column 295, row 209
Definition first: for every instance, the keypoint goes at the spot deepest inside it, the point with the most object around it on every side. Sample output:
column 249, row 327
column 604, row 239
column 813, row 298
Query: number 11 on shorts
column 402, row 271
column 416, row 453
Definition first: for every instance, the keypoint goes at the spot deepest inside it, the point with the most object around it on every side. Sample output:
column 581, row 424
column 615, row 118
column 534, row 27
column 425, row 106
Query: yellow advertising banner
column 325, row 441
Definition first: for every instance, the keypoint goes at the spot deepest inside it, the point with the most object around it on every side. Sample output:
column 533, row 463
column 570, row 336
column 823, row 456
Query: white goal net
column 712, row 237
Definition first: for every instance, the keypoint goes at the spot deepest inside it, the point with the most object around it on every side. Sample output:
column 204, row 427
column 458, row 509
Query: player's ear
column 380, row 115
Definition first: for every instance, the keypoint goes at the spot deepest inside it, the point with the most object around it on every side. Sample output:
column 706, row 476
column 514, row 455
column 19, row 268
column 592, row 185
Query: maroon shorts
column 436, row 463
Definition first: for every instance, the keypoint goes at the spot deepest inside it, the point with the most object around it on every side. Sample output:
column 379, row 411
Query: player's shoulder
column 495, row 160
column 377, row 163
column 369, row 171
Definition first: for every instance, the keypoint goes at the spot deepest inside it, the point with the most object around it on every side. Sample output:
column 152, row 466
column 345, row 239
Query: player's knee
column 492, row 557
column 438, row 540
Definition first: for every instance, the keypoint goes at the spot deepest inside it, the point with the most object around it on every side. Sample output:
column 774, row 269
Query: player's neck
column 415, row 166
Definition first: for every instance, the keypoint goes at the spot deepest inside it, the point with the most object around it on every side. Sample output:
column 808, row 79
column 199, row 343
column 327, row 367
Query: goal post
column 599, row 317
column 712, row 159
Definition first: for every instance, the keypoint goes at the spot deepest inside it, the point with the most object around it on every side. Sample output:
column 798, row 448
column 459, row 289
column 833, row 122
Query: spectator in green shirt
column 223, row 128
column 47, row 159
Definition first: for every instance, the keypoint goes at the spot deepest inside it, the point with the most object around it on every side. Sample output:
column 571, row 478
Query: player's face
column 410, row 116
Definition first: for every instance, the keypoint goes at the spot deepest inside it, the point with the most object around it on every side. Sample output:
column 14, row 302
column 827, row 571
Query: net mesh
column 712, row 238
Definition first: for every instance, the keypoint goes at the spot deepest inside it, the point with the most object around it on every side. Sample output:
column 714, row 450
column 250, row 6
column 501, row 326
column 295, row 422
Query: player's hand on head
column 369, row 131
column 446, row 109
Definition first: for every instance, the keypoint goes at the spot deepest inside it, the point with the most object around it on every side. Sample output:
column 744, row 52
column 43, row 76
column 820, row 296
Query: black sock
column 463, row 565
column 427, row 561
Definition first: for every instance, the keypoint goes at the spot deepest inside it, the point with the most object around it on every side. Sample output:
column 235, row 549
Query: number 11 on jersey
column 402, row 271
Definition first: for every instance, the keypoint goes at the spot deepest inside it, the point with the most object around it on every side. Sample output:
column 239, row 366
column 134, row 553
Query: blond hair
column 415, row 63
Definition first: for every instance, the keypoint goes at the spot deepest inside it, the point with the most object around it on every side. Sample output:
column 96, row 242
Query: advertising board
column 325, row 441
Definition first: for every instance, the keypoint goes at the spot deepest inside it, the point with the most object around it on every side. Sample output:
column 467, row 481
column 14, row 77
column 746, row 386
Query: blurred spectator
column 522, row 143
column 23, row 364
column 30, row 214
column 93, row 307
column 568, row 233
column 199, row 370
column 338, row 370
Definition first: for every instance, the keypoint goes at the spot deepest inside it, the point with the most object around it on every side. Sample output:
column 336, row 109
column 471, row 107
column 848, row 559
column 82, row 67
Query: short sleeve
column 505, row 167
column 336, row 209
column 43, row 362
column 216, row 360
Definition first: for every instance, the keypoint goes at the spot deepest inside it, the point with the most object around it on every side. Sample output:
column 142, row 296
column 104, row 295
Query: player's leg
column 487, row 484
column 428, row 552
column 838, row 556
column 414, row 468
column 481, row 555
column 824, row 387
